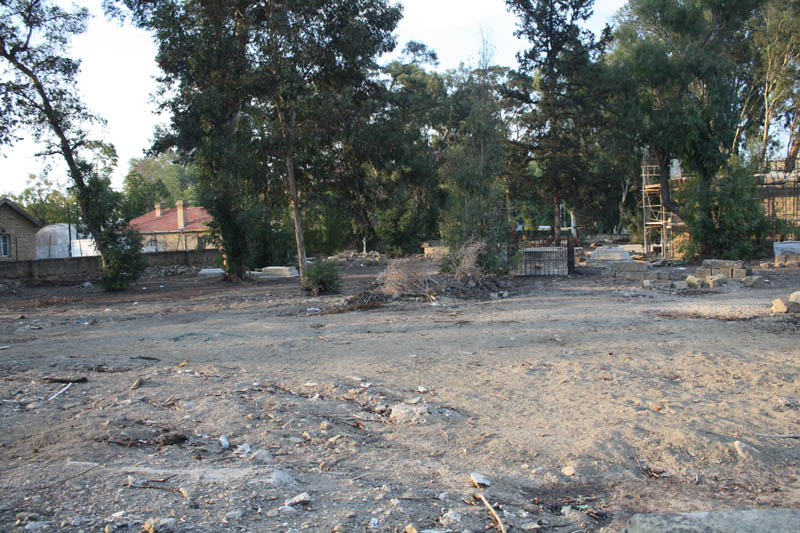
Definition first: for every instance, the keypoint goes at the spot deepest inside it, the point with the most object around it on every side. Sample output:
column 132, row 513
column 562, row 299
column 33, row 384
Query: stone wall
column 88, row 268
column 21, row 235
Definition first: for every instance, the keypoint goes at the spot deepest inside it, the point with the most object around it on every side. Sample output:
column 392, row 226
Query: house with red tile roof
column 171, row 230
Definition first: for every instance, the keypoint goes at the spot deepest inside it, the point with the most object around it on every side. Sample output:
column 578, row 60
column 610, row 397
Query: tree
column 160, row 178
column 39, row 94
column 777, row 49
column 268, row 64
column 45, row 200
column 473, row 161
column 555, row 83
column 685, row 83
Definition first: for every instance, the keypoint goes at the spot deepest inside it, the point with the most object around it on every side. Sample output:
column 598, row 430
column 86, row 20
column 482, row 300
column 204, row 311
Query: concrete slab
column 786, row 248
column 276, row 272
column 211, row 272
column 603, row 253
column 739, row 521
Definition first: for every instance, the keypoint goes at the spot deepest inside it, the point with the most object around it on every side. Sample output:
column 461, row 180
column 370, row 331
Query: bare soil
column 584, row 400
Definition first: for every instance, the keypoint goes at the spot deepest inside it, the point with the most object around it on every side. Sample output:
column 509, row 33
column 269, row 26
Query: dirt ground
column 198, row 405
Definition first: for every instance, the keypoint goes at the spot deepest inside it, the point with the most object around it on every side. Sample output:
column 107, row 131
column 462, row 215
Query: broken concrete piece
column 301, row 498
column 409, row 414
column 737, row 521
column 479, row 481
column 568, row 471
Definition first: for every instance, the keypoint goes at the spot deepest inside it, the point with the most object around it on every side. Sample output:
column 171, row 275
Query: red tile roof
column 194, row 220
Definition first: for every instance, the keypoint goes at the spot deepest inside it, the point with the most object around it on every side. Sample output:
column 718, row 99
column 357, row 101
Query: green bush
column 123, row 261
column 725, row 218
column 322, row 278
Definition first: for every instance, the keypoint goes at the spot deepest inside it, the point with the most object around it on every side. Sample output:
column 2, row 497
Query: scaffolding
column 659, row 225
column 779, row 192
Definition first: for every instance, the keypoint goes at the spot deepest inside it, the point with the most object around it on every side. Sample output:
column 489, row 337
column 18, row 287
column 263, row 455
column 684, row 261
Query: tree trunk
column 794, row 142
column 557, row 217
column 666, row 193
column 66, row 149
column 289, row 129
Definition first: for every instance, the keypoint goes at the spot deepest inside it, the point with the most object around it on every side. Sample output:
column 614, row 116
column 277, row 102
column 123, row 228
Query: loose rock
column 479, row 480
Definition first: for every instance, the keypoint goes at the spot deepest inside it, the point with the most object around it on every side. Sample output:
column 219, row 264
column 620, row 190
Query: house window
column 5, row 246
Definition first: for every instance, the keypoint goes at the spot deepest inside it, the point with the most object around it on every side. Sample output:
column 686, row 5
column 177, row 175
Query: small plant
column 123, row 261
column 322, row 278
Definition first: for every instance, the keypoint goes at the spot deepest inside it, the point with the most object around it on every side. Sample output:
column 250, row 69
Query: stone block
column 753, row 281
column 795, row 297
column 717, row 281
column 648, row 283
column 702, row 272
column 780, row 306
column 663, row 276
column 650, row 275
column 627, row 266
column 724, row 263
column 694, row 283
column 662, row 285
column 633, row 276
column 680, row 285
column 677, row 276
column 739, row 273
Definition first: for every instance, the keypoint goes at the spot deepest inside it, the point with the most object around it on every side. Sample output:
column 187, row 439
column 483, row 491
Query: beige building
column 17, row 233
column 171, row 230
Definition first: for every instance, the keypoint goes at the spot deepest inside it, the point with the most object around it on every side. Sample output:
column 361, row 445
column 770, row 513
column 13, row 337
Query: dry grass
column 402, row 276
column 466, row 260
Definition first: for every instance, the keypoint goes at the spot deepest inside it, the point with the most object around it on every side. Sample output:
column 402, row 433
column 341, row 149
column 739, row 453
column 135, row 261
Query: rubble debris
column 479, row 481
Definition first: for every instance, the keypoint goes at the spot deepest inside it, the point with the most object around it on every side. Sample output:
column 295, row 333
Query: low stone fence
column 88, row 268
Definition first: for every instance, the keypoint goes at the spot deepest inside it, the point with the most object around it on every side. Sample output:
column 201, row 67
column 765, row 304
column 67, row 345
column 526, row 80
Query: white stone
column 303, row 497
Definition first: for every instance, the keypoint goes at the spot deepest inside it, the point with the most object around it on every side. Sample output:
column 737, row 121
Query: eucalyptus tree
column 227, row 63
column 677, row 53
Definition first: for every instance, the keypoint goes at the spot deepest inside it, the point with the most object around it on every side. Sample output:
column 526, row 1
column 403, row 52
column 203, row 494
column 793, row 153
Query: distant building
column 170, row 230
column 17, row 232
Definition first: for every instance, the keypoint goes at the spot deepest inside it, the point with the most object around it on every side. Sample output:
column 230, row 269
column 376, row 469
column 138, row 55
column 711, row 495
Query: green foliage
column 45, row 200
column 270, row 240
column 161, row 178
column 725, row 219
column 322, row 277
column 123, row 261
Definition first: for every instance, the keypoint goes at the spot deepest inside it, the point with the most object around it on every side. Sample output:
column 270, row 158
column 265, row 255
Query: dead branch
column 492, row 511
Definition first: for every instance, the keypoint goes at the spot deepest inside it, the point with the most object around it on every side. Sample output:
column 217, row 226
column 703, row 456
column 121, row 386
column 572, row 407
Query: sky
column 118, row 71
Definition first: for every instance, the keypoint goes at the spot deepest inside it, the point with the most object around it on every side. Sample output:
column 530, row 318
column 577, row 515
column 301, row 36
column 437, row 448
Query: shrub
column 725, row 218
column 123, row 261
column 322, row 278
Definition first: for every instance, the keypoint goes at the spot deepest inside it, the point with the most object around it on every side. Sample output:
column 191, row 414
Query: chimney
column 159, row 209
column 179, row 205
